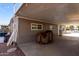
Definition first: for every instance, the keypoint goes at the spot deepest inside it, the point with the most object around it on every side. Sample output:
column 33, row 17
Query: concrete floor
column 62, row 46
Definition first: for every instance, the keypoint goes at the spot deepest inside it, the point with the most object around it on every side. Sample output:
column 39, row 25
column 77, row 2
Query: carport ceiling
column 52, row 12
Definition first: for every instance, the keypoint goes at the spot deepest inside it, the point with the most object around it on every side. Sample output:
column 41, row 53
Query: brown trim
column 19, row 8
column 35, row 20
column 22, row 8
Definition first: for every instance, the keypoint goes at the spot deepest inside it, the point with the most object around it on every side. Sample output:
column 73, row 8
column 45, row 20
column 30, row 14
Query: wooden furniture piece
column 45, row 37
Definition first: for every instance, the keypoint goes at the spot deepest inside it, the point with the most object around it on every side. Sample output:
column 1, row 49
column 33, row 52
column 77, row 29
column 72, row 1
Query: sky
column 7, row 12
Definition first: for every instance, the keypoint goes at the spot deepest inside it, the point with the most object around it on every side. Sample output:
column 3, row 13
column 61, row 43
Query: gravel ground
column 4, row 48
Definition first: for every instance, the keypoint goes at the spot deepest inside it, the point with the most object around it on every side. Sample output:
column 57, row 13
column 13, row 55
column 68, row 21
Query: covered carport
column 51, row 13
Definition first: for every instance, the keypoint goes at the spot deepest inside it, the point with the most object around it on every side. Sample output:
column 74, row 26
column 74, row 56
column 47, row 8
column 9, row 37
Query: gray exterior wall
column 25, row 34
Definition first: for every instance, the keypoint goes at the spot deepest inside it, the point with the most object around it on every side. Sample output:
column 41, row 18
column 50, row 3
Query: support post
column 13, row 37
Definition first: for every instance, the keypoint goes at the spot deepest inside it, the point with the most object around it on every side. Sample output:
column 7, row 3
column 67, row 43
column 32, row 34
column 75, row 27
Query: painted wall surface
column 25, row 34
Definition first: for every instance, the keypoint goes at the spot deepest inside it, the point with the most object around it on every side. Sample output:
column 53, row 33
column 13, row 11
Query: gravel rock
column 11, row 50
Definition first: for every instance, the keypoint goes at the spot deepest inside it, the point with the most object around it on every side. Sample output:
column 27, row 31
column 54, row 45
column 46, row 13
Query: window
column 51, row 27
column 35, row 26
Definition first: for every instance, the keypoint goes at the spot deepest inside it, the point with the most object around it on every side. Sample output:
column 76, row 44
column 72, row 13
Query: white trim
column 13, row 37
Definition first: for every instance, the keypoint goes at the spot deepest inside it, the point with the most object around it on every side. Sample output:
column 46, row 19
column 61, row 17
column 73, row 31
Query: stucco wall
column 25, row 34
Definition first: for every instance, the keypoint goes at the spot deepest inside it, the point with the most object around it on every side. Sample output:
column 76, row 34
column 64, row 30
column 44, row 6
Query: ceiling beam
column 44, row 21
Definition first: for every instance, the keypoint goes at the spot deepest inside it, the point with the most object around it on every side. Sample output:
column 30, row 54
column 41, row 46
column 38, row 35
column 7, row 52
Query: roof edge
column 19, row 8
